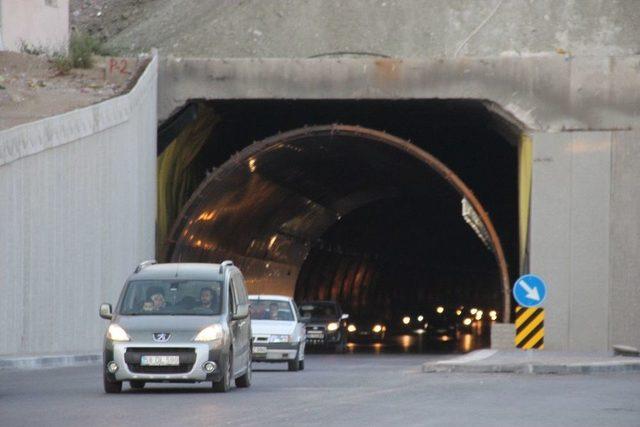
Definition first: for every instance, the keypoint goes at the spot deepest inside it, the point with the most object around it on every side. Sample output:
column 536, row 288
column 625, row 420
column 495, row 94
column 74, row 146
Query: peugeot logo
column 161, row 336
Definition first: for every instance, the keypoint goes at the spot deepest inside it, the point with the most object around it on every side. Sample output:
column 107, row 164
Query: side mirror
column 242, row 312
column 105, row 311
column 345, row 316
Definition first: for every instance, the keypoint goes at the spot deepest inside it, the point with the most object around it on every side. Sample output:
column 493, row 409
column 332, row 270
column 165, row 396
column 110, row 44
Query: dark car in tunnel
column 441, row 329
column 367, row 329
column 326, row 324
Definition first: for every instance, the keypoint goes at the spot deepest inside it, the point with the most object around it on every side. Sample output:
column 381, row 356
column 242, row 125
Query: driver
column 273, row 311
column 207, row 298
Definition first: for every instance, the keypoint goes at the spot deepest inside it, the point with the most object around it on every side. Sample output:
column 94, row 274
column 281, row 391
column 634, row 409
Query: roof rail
column 224, row 264
column 144, row 264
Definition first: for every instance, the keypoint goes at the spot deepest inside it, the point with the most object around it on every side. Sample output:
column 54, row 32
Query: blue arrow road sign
column 529, row 291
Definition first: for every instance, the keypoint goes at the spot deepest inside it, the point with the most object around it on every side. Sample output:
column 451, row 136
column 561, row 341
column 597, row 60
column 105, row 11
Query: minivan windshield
column 172, row 297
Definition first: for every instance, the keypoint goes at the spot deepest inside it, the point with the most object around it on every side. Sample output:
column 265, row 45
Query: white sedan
column 278, row 335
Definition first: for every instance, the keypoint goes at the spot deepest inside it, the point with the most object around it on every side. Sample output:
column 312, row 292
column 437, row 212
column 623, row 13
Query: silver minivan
column 183, row 322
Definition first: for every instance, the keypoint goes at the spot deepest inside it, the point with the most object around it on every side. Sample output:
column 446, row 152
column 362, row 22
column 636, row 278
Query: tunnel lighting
column 406, row 320
column 473, row 310
column 440, row 309
column 351, row 328
column 252, row 165
column 272, row 241
column 466, row 321
column 458, row 312
column 474, row 221
column 377, row 329
column 333, row 326
column 420, row 318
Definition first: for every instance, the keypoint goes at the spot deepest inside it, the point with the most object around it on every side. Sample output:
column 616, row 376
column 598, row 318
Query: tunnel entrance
column 383, row 222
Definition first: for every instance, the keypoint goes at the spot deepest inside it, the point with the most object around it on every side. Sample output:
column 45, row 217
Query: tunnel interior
column 310, row 208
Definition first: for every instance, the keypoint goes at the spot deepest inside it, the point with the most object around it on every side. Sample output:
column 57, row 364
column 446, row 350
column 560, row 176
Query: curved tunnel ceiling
column 272, row 200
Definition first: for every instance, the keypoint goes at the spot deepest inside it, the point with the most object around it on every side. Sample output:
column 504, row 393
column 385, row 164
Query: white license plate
column 160, row 360
column 259, row 350
column 315, row 335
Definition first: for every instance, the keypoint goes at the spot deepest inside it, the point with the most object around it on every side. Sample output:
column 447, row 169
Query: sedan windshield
column 170, row 297
column 318, row 311
column 265, row 309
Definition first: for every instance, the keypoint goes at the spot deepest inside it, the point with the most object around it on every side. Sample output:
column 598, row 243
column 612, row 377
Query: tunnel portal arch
column 213, row 214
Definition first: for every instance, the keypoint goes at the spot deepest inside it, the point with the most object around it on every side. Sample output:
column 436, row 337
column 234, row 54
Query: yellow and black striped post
column 530, row 328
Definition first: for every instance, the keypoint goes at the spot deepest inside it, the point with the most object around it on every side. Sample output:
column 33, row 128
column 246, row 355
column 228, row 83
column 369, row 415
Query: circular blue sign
column 529, row 291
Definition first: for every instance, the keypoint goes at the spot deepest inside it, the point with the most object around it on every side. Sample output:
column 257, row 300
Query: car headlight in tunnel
column 440, row 309
column 420, row 318
column 377, row 329
column 210, row 333
column 473, row 310
column 279, row 338
column 466, row 321
column 333, row 326
column 116, row 333
column 351, row 328
column 406, row 320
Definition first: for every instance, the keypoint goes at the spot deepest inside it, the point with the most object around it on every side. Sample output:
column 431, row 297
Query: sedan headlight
column 210, row 333
column 279, row 338
column 116, row 333
column 351, row 328
column 377, row 329
column 333, row 326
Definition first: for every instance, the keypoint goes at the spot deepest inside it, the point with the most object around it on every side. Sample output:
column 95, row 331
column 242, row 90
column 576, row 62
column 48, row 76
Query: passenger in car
column 157, row 297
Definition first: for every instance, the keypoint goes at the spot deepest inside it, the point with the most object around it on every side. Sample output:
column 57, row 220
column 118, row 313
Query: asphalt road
column 351, row 389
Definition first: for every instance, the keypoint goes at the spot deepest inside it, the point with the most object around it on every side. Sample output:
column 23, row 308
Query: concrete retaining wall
column 77, row 213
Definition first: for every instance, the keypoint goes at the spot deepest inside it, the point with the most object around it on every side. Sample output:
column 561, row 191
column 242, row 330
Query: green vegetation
column 30, row 49
column 82, row 48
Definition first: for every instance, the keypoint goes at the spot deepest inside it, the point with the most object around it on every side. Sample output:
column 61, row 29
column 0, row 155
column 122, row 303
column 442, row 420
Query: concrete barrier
column 77, row 213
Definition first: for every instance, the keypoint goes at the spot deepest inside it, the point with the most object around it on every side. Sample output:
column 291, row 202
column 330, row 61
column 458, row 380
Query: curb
column 532, row 368
column 41, row 362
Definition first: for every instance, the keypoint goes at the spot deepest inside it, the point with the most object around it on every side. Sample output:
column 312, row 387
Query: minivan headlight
column 280, row 338
column 116, row 333
column 210, row 333
column 333, row 326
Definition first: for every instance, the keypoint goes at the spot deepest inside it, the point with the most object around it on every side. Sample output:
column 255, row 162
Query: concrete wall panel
column 625, row 239
column 550, row 242
column 77, row 213
column 570, row 236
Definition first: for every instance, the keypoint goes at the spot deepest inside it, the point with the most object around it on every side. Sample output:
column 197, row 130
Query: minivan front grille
column 133, row 356
column 180, row 369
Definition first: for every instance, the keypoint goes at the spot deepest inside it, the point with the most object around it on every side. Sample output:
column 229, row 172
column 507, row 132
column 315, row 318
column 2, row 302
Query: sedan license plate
column 315, row 335
column 259, row 350
column 160, row 360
